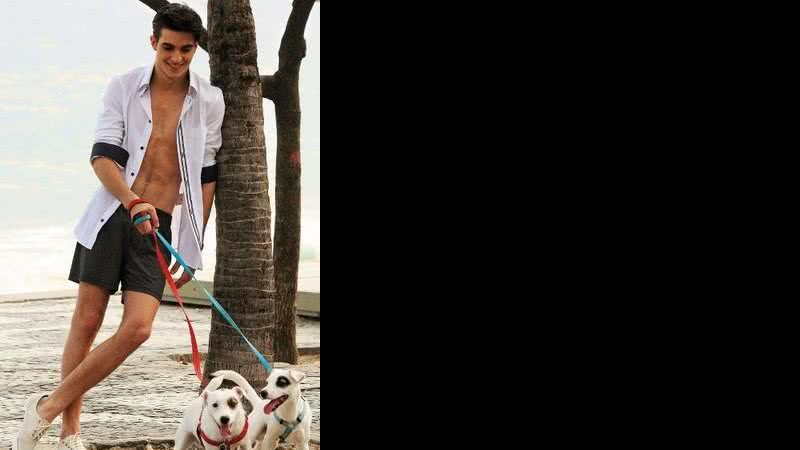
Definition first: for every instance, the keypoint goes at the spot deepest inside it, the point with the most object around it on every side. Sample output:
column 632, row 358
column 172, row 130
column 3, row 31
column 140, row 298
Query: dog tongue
column 225, row 430
column 273, row 405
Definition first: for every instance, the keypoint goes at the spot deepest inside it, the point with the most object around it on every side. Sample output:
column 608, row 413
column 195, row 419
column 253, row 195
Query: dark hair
column 177, row 17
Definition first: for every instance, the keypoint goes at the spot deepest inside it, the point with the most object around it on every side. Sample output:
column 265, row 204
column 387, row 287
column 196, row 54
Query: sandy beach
column 142, row 402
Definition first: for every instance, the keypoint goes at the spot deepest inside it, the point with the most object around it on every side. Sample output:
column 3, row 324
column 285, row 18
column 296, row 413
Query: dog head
column 224, row 406
column 282, row 385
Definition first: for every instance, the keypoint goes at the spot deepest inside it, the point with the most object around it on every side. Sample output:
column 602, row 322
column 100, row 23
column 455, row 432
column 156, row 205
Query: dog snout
column 224, row 420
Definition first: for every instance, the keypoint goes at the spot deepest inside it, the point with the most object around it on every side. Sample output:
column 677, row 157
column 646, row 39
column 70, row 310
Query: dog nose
column 224, row 420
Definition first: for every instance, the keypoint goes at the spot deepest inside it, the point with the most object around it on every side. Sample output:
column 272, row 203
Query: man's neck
column 160, row 82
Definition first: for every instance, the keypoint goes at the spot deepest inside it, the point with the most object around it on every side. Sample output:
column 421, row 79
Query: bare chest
column 161, row 160
column 166, row 109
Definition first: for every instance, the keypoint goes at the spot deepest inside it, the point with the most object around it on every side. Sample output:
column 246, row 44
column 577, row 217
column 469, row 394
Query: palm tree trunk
column 286, row 95
column 244, row 278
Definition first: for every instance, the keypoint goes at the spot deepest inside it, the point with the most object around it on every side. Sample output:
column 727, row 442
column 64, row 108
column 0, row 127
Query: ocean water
column 38, row 259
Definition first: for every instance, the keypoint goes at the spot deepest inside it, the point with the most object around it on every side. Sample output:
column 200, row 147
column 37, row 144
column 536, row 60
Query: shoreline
column 38, row 296
column 308, row 281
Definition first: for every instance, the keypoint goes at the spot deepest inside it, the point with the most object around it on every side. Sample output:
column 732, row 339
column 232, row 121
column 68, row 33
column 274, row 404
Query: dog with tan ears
column 216, row 419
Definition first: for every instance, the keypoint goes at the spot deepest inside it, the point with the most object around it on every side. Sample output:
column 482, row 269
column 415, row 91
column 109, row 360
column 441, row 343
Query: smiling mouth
column 275, row 404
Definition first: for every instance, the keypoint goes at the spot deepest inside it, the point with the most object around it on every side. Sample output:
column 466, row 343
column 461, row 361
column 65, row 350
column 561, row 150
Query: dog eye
column 282, row 382
column 264, row 395
column 215, row 405
column 232, row 403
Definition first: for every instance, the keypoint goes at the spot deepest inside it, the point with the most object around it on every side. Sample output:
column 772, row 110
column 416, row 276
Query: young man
column 156, row 143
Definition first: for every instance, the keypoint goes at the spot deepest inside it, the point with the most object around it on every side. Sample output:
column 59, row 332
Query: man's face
column 174, row 53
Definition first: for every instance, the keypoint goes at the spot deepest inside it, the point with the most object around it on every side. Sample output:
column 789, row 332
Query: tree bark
column 285, row 90
column 244, row 278
column 268, row 87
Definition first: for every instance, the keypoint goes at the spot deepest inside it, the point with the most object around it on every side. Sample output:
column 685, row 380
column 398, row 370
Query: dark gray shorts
column 122, row 255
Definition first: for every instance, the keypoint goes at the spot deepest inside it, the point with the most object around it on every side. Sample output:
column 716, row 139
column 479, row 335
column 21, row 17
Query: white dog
column 280, row 413
column 216, row 419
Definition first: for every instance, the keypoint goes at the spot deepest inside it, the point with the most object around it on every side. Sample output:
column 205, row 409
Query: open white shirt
column 123, row 133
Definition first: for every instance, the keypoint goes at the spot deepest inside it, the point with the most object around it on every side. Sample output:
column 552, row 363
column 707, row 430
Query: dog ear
column 297, row 376
column 239, row 391
column 205, row 396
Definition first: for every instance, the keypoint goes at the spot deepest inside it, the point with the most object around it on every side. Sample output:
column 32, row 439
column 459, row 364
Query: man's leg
column 137, row 322
column 86, row 322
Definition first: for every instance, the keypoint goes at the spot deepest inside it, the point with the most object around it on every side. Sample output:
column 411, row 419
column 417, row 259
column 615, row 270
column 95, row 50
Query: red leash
column 168, row 276
column 165, row 269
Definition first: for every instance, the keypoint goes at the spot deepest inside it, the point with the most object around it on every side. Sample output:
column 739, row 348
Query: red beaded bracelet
column 138, row 201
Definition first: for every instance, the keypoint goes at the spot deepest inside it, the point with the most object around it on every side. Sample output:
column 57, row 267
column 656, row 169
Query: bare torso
column 159, row 178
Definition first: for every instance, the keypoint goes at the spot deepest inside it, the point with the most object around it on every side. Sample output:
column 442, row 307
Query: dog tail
column 213, row 385
column 230, row 375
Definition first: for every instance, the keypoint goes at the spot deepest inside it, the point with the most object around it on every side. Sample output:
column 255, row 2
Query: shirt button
column 102, row 220
column 131, row 173
column 142, row 148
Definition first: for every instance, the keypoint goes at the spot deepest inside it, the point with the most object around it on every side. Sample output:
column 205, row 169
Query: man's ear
column 153, row 42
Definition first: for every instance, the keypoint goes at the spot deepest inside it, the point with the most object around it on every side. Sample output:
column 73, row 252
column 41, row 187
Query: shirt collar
column 147, row 75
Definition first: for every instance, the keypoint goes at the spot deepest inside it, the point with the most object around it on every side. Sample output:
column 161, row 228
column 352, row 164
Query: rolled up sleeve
column 110, row 130
column 214, row 117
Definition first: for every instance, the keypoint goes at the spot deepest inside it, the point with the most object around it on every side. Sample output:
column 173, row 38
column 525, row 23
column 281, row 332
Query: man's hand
column 145, row 228
column 185, row 278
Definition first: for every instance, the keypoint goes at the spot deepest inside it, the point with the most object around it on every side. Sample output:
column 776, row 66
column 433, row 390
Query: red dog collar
column 222, row 445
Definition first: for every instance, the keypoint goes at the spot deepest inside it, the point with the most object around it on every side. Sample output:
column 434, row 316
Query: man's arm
column 209, row 189
column 216, row 114
column 109, row 174
column 109, row 158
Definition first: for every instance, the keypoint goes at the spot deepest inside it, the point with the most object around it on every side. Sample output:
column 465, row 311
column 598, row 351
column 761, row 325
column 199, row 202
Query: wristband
column 135, row 202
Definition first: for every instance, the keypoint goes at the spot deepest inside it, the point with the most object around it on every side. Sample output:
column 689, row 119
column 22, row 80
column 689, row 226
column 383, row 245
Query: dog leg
column 182, row 440
column 299, row 440
column 245, row 445
column 258, row 429
column 270, row 442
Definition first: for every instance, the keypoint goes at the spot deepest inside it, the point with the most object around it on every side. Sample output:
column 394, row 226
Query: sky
column 57, row 60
